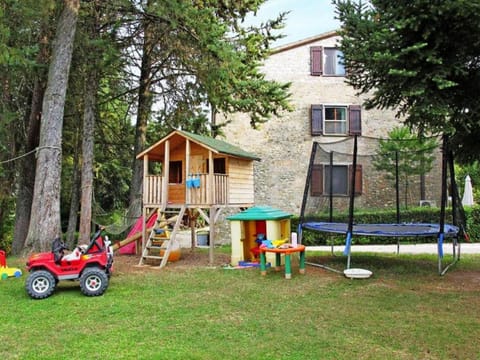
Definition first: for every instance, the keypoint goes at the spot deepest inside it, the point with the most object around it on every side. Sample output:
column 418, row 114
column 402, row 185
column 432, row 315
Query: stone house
column 326, row 109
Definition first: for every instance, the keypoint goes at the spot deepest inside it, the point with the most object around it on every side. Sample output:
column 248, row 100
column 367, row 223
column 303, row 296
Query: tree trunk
column 75, row 198
column 45, row 214
column 87, row 157
column 26, row 178
column 143, row 114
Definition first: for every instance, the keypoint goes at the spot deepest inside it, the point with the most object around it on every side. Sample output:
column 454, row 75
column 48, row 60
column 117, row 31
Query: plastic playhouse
column 5, row 271
column 250, row 228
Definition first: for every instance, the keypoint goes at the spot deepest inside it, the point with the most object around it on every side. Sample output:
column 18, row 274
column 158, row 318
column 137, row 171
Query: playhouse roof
column 260, row 213
column 157, row 150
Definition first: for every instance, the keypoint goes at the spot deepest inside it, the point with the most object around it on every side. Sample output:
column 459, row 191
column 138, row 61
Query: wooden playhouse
column 185, row 171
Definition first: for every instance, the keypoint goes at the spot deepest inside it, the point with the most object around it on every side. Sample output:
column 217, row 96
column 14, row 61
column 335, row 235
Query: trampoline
column 388, row 230
column 317, row 198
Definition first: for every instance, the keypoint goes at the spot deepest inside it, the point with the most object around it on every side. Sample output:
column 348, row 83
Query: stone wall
column 284, row 143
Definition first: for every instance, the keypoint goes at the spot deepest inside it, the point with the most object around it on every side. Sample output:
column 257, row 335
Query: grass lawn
column 404, row 311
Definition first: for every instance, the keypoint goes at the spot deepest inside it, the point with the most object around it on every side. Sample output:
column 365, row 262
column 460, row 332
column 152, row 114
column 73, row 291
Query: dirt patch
column 463, row 280
column 188, row 259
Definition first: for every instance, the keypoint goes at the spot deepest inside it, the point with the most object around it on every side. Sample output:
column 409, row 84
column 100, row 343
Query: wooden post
column 211, row 225
column 210, row 187
column 144, row 209
column 187, row 172
column 166, row 176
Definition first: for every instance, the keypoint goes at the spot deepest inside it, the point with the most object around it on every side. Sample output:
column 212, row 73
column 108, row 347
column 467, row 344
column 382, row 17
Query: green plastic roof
column 260, row 213
column 219, row 145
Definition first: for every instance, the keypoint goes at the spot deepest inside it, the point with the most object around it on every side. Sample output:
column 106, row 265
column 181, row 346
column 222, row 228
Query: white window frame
column 327, row 122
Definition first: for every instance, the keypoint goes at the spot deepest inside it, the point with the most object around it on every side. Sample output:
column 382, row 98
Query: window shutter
column 316, row 180
column 316, row 60
column 355, row 120
column 316, row 113
column 358, row 178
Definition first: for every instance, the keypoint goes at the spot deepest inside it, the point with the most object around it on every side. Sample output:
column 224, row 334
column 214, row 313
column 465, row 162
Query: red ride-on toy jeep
column 92, row 265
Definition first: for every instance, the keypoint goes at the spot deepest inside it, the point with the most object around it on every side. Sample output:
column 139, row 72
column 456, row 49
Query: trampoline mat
column 397, row 230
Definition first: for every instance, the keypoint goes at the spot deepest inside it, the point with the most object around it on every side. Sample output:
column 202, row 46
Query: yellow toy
column 5, row 271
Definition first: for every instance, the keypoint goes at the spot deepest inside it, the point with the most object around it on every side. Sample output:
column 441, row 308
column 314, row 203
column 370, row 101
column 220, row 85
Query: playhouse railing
column 197, row 190
column 152, row 190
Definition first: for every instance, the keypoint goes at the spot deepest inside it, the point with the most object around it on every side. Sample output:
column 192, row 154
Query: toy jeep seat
column 57, row 249
column 96, row 244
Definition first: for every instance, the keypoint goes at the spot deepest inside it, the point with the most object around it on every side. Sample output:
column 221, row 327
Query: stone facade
column 284, row 143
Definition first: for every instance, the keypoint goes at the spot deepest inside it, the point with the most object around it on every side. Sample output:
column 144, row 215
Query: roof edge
column 305, row 41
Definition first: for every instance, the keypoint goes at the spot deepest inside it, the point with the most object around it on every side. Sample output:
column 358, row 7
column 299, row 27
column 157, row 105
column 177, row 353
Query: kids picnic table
column 287, row 251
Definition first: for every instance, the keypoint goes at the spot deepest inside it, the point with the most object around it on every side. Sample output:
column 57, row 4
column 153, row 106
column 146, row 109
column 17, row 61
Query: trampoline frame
column 440, row 230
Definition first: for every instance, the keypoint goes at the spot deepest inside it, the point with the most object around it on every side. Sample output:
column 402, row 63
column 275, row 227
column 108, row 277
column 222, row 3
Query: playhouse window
column 219, row 166
column 175, row 172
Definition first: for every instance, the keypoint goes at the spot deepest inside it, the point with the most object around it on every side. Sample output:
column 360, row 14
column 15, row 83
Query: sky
column 306, row 18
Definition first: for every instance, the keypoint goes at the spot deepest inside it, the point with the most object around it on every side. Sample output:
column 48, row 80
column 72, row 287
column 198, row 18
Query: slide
column 128, row 246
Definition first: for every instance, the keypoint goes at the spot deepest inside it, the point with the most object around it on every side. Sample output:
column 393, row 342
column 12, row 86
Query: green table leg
column 263, row 262
column 278, row 261
column 288, row 267
column 302, row 262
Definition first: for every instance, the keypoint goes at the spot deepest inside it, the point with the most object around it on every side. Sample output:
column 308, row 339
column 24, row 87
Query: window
column 336, row 178
column 336, row 120
column 219, row 166
column 333, row 62
column 175, row 172
column 326, row 61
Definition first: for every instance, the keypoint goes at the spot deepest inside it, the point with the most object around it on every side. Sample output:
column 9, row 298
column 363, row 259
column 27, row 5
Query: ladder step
column 152, row 257
column 158, row 242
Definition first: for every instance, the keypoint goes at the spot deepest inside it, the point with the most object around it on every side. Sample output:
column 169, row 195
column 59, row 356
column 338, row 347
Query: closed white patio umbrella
column 467, row 199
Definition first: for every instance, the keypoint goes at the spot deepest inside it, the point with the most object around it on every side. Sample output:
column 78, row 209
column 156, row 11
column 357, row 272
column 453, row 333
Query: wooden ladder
column 160, row 235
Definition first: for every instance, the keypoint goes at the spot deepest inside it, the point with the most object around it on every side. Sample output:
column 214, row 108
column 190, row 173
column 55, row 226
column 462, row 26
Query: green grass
column 405, row 311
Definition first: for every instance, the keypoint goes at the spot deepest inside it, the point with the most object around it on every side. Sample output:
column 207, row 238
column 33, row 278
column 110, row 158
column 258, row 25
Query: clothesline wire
column 30, row 152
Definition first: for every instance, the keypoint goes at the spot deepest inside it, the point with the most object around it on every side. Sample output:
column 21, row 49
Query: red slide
column 130, row 249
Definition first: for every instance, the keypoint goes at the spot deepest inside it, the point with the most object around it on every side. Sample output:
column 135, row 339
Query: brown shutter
column 316, row 115
column 316, row 180
column 316, row 60
column 358, row 179
column 355, row 120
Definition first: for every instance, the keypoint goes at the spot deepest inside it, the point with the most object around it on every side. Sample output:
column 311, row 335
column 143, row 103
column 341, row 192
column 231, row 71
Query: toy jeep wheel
column 93, row 282
column 40, row 284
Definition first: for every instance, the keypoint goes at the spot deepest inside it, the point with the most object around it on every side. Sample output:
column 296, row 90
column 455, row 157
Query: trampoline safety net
column 390, row 179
